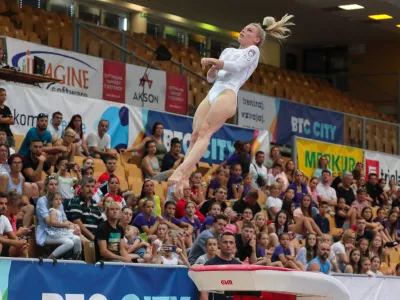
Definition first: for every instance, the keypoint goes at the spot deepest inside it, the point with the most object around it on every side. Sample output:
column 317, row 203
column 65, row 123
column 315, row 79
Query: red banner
column 371, row 167
column 176, row 99
column 114, row 81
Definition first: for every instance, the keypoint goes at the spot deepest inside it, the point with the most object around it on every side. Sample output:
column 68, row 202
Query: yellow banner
column 340, row 158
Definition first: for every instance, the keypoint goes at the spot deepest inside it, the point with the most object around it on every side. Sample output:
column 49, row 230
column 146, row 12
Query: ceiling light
column 398, row 25
column 351, row 7
column 380, row 17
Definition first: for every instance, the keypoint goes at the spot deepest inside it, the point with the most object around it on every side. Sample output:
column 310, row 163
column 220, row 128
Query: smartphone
column 70, row 165
column 170, row 248
column 176, row 232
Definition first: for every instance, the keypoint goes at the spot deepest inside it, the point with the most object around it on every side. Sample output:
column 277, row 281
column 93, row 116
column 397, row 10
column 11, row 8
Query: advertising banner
column 81, row 75
column 114, row 81
column 384, row 165
column 176, row 99
column 308, row 122
column 340, row 158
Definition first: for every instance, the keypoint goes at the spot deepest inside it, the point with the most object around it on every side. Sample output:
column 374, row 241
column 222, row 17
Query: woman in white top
column 228, row 73
column 375, row 267
column 66, row 181
column 343, row 248
column 274, row 204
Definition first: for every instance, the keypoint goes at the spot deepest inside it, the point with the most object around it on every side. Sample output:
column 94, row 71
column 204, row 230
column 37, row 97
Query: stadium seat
column 99, row 165
column 18, row 141
column 135, row 185
column 136, row 172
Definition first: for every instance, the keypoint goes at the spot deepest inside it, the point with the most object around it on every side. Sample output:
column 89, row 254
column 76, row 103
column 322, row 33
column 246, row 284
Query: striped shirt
column 89, row 215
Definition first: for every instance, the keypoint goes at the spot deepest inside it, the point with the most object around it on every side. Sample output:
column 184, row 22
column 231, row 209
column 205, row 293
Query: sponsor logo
column 54, row 296
column 226, row 282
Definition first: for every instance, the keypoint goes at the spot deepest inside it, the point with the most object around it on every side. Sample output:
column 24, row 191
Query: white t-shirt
column 255, row 171
column 171, row 262
column 338, row 248
column 55, row 133
column 273, row 202
column 93, row 140
column 5, row 225
column 326, row 191
column 270, row 179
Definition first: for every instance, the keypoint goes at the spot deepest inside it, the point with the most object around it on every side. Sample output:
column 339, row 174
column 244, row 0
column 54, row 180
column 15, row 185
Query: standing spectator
column 246, row 243
column 181, row 204
column 146, row 221
column 6, row 118
column 274, row 154
column 250, row 201
column 258, row 171
column 322, row 165
column 324, row 191
column 220, row 197
column 99, row 142
column 10, row 246
column 299, row 187
column 77, row 126
column 156, row 137
column 199, row 245
column 358, row 171
column 321, row 263
column 83, row 210
column 212, row 250
column 150, row 165
column 109, row 238
column 55, row 127
column 174, row 157
column 40, row 133
column 35, row 163
column 345, row 190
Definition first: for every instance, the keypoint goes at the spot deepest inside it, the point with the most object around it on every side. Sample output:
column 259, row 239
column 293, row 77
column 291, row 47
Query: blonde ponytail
column 278, row 29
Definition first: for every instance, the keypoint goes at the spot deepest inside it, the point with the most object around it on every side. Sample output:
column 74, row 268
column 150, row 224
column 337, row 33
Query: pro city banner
column 384, row 165
column 27, row 280
column 340, row 158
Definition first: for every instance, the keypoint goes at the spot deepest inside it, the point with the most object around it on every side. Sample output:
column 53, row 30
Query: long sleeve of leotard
column 212, row 79
column 243, row 62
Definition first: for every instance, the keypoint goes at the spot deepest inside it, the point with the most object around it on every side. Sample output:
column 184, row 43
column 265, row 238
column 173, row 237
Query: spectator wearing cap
column 40, row 133
column 99, row 143
column 258, row 171
column 361, row 201
column 322, row 165
column 250, row 201
column 174, row 157
column 55, row 128
column 6, row 118
column 345, row 191
column 324, row 191
column 358, row 170
column 35, row 163
column 3, row 140
column 83, row 210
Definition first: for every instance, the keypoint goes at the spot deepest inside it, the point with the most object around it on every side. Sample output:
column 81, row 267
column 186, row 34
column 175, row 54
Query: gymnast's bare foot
column 176, row 178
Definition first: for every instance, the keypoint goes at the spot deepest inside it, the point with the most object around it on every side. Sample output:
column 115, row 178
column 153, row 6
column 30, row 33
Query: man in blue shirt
column 40, row 133
column 321, row 263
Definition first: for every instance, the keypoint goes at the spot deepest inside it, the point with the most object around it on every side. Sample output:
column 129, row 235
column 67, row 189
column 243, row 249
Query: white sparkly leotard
column 239, row 64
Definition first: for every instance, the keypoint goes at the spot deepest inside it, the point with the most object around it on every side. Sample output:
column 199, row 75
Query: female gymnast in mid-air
column 228, row 73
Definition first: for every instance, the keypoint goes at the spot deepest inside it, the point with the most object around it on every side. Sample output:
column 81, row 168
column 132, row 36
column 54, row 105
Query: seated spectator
column 272, row 176
column 260, row 221
column 40, row 133
column 246, row 243
column 111, row 166
column 114, row 191
column 245, row 187
column 135, row 246
column 83, row 210
column 241, row 157
column 211, row 251
column 376, row 267
column 391, row 228
column 258, row 171
column 322, row 166
column 247, row 217
column 88, row 173
column 366, row 213
column 66, row 181
column 231, row 217
column 274, row 155
column 59, row 229
column 219, row 180
column 345, row 191
column 198, row 192
column 76, row 124
column 174, row 157
column 361, row 201
column 214, row 210
column 150, row 166
column 15, row 212
column 190, row 219
column 324, row 191
column 342, row 247
column 66, row 141
column 321, row 263
column 249, row 201
column 109, row 238
column 283, row 254
column 328, row 239
column 220, row 197
column 181, row 204
column 55, row 127
column 3, row 140
column 354, row 265
column 199, row 245
column 358, row 171
column 235, row 179
column 299, row 187
column 171, row 221
column 4, row 153
column 274, row 204
column 10, row 245
column 321, row 220
column 303, row 214
column 371, row 188
column 344, row 215
column 309, row 251
column 289, row 170
column 99, row 143
column 126, row 217
column 263, row 252
column 312, row 190
column 161, row 237
column 166, row 255
column 146, row 221
column 6, row 119
column 382, row 198
column 363, row 245
column 156, row 137
column 149, row 194
column 35, row 163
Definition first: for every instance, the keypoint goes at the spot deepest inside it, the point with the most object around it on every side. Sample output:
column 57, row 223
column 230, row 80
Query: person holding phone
column 171, row 255
column 67, row 182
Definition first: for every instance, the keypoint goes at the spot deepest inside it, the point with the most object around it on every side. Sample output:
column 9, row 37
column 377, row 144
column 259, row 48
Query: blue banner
column 221, row 144
column 309, row 122
column 27, row 280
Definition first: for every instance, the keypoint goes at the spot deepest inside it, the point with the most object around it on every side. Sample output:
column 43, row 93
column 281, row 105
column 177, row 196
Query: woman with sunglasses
column 76, row 125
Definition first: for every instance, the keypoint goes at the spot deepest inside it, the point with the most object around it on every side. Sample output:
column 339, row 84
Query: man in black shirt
column 174, row 157
column 6, row 118
column 249, row 201
column 220, row 197
column 109, row 238
column 246, row 243
column 35, row 162
column 345, row 191
column 361, row 233
column 357, row 170
column 371, row 187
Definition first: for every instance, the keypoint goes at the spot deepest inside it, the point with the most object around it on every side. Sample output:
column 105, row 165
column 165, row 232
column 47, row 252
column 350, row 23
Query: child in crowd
column 375, row 267
column 283, row 254
column 261, row 222
column 189, row 218
column 135, row 246
column 247, row 217
column 380, row 217
column 215, row 209
column 167, row 255
column 176, row 224
column 262, row 251
column 272, row 177
column 363, row 245
column 232, row 216
column 342, row 213
column 365, row 265
column 321, row 220
column 234, row 182
column 354, row 266
column 218, row 181
column 245, row 187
